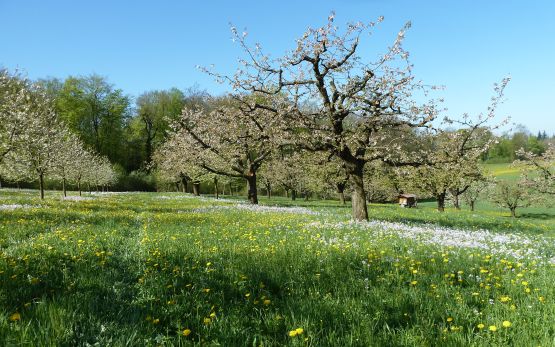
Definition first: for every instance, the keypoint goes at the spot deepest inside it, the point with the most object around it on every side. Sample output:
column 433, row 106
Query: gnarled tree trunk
column 356, row 176
column 251, row 182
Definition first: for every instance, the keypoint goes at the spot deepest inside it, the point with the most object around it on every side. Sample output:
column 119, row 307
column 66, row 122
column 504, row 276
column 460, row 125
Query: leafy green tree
column 155, row 110
column 97, row 112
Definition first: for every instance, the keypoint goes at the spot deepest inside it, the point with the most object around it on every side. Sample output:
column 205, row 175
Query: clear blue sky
column 145, row 45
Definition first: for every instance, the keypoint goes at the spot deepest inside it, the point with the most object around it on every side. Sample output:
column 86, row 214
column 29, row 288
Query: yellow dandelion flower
column 293, row 333
column 481, row 326
column 207, row 320
column 299, row 331
column 15, row 317
column 507, row 324
column 413, row 283
column 492, row 328
column 267, row 302
column 449, row 319
column 155, row 321
column 186, row 332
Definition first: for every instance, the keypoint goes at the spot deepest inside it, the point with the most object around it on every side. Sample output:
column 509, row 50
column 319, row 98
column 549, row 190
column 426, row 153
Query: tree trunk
column 269, row 190
column 196, row 188
column 64, row 187
column 252, row 193
column 441, row 202
column 293, row 194
column 177, row 186
column 216, row 187
column 148, row 150
column 472, row 206
column 456, row 201
column 356, row 176
column 184, row 184
column 513, row 212
column 360, row 210
column 41, row 186
column 79, row 187
column 341, row 192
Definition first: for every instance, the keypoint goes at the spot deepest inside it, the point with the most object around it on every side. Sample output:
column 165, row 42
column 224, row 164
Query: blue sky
column 145, row 45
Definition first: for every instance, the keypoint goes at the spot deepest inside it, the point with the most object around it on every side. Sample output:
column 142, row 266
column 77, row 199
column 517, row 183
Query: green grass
column 138, row 269
column 504, row 171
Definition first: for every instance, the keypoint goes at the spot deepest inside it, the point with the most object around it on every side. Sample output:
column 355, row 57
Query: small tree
column 513, row 195
column 34, row 153
column 71, row 159
column 234, row 140
column 454, row 154
column 288, row 172
column 175, row 162
column 474, row 192
column 539, row 170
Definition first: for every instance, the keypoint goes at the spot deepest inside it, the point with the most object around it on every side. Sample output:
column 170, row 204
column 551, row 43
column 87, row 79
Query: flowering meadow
column 150, row 269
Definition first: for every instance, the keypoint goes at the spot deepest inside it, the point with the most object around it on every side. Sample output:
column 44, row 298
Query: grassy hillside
column 504, row 171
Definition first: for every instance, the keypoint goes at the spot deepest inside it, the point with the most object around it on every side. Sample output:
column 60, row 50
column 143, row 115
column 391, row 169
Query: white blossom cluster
column 257, row 209
column 77, row 198
column 512, row 245
column 11, row 207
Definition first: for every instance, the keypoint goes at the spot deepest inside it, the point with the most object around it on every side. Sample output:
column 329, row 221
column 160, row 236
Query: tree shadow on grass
column 541, row 216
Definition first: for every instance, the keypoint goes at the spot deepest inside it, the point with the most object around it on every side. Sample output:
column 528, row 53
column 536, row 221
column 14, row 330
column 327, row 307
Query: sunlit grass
column 168, row 269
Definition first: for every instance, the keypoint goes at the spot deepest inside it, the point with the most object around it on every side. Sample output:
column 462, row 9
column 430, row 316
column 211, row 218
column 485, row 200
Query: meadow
column 150, row 269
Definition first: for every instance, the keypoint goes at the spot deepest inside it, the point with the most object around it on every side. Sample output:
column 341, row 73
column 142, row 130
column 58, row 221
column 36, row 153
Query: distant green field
column 504, row 171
